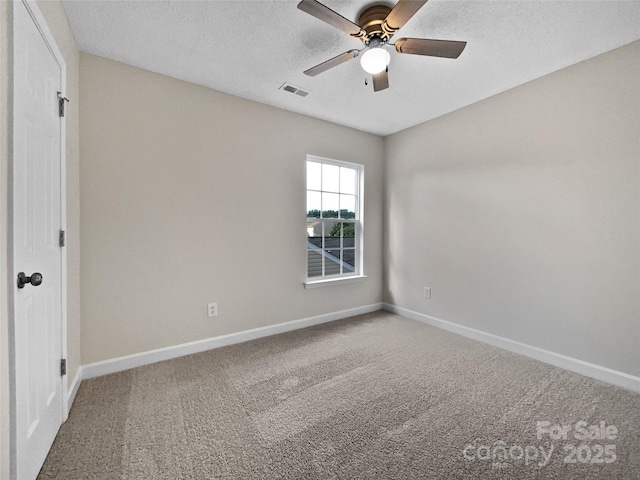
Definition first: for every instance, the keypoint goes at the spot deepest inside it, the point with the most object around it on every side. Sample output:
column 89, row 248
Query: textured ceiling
column 250, row 48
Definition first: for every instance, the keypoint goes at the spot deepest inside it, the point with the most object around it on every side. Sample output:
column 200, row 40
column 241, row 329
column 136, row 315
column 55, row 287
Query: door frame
column 42, row 26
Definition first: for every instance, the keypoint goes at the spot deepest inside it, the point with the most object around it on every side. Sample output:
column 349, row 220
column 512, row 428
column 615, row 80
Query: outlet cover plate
column 212, row 309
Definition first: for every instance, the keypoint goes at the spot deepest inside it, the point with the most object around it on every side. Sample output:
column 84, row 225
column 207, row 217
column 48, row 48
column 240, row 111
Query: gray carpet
column 375, row 396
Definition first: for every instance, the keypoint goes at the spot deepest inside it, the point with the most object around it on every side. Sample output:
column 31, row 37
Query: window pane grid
column 332, row 219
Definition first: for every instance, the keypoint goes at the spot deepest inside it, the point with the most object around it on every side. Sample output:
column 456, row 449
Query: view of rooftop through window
column 333, row 218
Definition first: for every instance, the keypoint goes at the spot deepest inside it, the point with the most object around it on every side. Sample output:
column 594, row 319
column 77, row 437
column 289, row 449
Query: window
column 334, row 220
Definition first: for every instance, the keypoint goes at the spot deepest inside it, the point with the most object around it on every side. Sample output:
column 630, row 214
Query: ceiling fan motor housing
column 372, row 22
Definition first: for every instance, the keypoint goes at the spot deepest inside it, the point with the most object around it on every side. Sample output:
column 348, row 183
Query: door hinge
column 63, row 367
column 61, row 101
column 61, row 238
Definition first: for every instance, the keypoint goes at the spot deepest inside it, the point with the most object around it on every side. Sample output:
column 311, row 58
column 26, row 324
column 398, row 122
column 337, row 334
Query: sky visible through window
column 331, row 191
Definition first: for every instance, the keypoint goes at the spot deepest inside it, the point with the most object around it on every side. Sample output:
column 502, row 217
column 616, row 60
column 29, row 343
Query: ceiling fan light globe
column 375, row 60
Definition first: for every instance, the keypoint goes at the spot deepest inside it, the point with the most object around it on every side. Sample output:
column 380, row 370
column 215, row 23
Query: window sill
column 329, row 282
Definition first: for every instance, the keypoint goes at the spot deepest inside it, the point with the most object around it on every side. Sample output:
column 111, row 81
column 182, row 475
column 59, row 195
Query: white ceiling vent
column 287, row 87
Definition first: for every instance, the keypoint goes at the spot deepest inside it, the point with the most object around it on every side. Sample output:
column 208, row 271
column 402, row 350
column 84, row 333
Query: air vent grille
column 287, row 87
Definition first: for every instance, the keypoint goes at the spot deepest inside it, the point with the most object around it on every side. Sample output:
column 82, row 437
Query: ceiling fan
column 376, row 25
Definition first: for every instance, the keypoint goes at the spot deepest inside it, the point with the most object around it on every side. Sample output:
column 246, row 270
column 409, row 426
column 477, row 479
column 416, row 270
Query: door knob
column 35, row 279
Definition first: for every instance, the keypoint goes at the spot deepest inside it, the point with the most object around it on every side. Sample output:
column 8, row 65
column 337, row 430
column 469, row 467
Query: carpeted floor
column 373, row 397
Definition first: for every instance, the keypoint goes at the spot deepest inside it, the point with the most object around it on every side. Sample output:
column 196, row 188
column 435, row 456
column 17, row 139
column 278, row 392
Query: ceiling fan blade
column 324, row 13
column 333, row 62
column 380, row 81
column 401, row 13
column 431, row 48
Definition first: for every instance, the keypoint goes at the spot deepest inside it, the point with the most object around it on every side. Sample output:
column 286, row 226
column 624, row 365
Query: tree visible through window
column 334, row 228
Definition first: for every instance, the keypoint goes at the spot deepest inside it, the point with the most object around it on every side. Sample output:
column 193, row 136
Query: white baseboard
column 587, row 369
column 145, row 358
column 73, row 389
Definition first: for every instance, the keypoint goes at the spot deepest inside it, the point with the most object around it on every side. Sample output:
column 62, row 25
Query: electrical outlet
column 427, row 292
column 212, row 309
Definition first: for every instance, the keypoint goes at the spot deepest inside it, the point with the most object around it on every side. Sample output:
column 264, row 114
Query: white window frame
column 358, row 274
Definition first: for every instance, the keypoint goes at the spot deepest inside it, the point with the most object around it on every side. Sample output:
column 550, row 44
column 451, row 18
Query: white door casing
column 39, row 402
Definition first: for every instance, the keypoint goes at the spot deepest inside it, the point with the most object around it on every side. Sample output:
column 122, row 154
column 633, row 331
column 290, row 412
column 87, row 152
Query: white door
column 36, row 248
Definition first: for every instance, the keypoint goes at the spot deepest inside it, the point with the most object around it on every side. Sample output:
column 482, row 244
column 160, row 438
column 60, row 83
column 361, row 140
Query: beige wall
column 522, row 213
column 57, row 22
column 191, row 196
